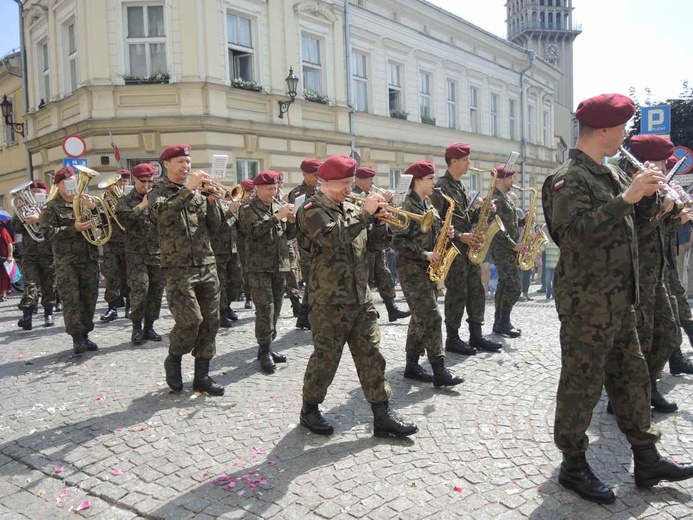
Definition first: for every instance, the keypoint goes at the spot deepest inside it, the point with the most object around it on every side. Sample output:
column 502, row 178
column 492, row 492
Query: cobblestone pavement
column 105, row 430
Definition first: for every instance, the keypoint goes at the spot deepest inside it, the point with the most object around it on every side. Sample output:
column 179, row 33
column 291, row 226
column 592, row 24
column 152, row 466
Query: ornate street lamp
column 6, row 106
column 292, row 85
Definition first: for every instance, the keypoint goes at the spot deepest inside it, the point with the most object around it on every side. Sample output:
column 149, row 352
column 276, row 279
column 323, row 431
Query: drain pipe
column 523, row 127
column 25, row 86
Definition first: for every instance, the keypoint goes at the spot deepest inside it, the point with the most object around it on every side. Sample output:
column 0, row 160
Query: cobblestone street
column 103, row 431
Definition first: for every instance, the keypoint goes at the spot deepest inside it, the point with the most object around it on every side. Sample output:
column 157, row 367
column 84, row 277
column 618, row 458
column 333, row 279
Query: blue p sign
column 655, row 120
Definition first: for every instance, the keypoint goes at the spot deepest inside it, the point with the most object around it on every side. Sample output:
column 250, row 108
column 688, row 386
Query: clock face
column 552, row 53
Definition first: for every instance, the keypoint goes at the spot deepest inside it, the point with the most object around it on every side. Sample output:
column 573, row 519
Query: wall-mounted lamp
column 292, row 85
column 6, row 106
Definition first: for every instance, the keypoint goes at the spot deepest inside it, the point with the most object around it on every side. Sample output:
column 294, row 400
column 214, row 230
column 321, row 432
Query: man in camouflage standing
column 341, row 303
column 589, row 209
column 504, row 252
column 226, row 253
column 143, row 255
column 242, row 242
column 185, row 219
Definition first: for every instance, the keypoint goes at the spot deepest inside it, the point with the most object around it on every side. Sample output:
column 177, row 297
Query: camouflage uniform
column 115, row 268
column 596, row 291
column 185, row 221
column 411, row 244
column 143, row 255
column 267, row 264
column 304, row 255
column 341, row 303
column 509, row 287
column 37, row 269
column 76, row 266
column 242, row 248
column 224, row 245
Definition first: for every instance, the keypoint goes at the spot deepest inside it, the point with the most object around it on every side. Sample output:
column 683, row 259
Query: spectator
column 6, row 254
column 683, row 260
column 552, row 253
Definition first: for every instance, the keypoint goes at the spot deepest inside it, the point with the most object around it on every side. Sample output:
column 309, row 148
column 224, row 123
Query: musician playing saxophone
column 464, row 287
column 415, row 252
column 504, row 252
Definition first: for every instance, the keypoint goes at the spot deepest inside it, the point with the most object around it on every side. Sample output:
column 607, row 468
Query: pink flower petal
column 263, row 480
column 116, row 472
column 64, row 493
column 84, row 505
column 231, row 485
column 99, row 398
column 272, row 463
column 58, row 471
column 458, row 489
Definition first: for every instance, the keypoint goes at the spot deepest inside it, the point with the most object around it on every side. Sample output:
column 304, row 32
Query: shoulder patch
column 308, row 206
column 246, row 206
column 559, row 185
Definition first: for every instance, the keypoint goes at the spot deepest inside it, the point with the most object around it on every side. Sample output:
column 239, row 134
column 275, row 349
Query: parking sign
column 655, row 120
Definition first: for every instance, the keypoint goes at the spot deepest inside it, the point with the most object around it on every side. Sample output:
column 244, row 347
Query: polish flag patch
column 308, row 206
column 558, row 185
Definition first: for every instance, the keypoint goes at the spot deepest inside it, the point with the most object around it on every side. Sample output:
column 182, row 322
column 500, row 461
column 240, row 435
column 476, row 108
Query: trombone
column 402, row 218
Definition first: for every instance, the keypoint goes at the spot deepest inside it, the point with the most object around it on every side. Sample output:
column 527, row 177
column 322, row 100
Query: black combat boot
column 505, row 328
column 48, row 316
column 479, row 342
column 415, row 371
column 232, row 314
column 651, row 468
column 111, row 313
column 149, row 332
column 224, row 320
column 277, row 358
column 442, row 376
column 496, row 323
column 248, row 301
column 609, row 408
column 679, row 364
column 295, row 305
column 25, row 321
column 659, row 402
column 577, row 475
column 453, row 343
column 303, row 321
column 174, row 379
column 312, row 419
column 78, row 346
column 387, row 423
column 393, row 313
column 266, row 362
column 202, row 381
column 127, row 308
column 137, row 337
column 91, row 346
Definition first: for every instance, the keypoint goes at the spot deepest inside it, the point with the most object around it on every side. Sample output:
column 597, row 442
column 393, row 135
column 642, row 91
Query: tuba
column 25, row 205
column 486, row 229
column 533, row 241
column 438, row 271
column 99, row 216
column 110, row 196
column 401, row 218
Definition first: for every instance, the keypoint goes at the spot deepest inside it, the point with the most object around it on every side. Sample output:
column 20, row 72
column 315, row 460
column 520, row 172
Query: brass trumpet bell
column 113, row 191
column 402, row 218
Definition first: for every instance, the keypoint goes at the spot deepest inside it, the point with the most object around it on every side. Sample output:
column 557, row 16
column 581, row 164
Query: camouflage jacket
column 463, row 222
column 117, row 235
column 267, row 237
column 671, row 241
column 337, row 237
column 224, row 241
column 504, row 242
column 141, row 236
column 597, row 271
column 185, row 221
column 31, row 247
column 58, row 226
column 309, row 192
column 379, row 235
column 412, row 242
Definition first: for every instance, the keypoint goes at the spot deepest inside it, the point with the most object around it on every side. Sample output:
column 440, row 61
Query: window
column 246, row 169
column 44, row 72
column 394, row 177
column 240, row 47
column 360, row 77
column 474, row 183
column 70, row 51
column 511, row 117
column 312, row 64
column 531, row 136
column 9, row 137
column 545, row 127
column 146, row 40
column 474, row 109
column 452, row 104
column 425, row 96
column 394, row 87
column 494, row 115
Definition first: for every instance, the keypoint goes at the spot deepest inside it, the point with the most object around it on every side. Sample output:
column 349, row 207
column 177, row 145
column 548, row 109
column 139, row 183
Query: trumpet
column 219, row 191
column 402, row 218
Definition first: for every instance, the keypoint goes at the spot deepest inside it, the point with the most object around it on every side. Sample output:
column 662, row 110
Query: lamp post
column 6, row 106
column 292, row 85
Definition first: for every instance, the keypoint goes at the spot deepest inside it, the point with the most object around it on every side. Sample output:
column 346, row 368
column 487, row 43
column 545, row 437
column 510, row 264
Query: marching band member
column 242, row 243
column 224, row 244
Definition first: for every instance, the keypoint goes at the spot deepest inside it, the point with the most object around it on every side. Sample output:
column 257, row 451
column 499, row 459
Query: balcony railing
column 538, row 26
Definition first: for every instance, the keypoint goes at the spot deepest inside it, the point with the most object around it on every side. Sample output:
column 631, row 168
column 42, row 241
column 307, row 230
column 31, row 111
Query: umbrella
column 4, row 216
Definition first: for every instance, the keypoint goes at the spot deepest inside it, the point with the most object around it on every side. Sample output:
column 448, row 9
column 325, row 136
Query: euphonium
column 533, row 241
column 110, row 196
column 100, row 233
column 438, row 271
column 25, row 205
column 402, row 218
column 487, row 230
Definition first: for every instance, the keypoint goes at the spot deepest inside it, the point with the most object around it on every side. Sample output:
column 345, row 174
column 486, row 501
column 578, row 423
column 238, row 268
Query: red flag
column 116, row 152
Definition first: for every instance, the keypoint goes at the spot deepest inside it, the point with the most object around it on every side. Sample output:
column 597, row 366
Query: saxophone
column 533, row 241
column 438, row 271
column 486, row 229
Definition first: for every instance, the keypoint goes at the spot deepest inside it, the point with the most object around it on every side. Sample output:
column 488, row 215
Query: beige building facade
column 13, row 161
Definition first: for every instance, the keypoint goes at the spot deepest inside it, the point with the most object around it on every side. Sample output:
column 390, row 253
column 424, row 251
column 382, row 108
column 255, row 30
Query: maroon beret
column 248, row 185
column 605, row 111
column 651, row 147
column 365, row 173
column 671, row 161
column 279, row 175
column 502, row 174
column 143, row 170
column 63, row 173
column 421, row 169
column 265, row 178
column 38, row 185
column 175, row 150
column 457, row 151
column 310, row 165
column 337, row 167
column 125, row 174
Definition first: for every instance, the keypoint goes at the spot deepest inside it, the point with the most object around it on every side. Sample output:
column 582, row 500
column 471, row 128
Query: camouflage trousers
column 305, row 274
column 267, row 290
column 357, row 326
column 602, row 350
column 678, row 291
column 230, row 281
column 78, row 286
column 425, row 325
column 146, row 291
column 242, row 260
column 115, row 272
column 193, row 299
column 292, row 289
column 39, row 273
column 658, row 330
column 379, row 273
column 464, row 290
column 509, row 287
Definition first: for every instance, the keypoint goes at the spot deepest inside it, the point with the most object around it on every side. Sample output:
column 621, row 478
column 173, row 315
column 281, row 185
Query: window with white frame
column 494, row 101
column 9, row 138
column 474, row 110
column 452, row 104
column 394, row 87
column 545, row 127
column 425, row 96
column 394, row 177
column 240, row 47
column 146, row 40
column 474, row 182
column 246, row 169
column 44, row 72
column 70, row 53
column 312, row 63
column 531, row 135
column 360, row 77
column 512, row 108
